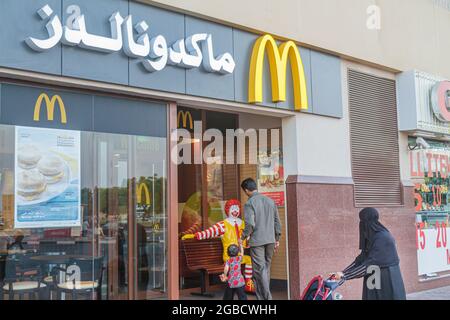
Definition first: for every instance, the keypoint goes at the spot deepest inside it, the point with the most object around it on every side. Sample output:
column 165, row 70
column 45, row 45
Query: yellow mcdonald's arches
column 142, row 187
column 50, row 105
column 184, row 116
column 278, row 58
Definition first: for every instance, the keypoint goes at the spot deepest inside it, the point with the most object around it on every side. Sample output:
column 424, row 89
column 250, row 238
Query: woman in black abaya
column 378, row 249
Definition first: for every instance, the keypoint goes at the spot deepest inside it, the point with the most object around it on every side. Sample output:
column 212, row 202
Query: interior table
column 59, row 259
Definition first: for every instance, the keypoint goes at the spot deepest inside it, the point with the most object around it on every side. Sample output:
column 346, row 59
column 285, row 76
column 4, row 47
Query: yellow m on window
column 142, row 188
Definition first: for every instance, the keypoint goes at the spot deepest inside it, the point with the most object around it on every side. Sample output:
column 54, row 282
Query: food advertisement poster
column 47, row 178
column 271, row 177
column 429, row 170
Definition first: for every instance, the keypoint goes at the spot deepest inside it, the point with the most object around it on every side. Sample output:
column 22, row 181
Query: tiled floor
column 435, row 294
column 218, row 294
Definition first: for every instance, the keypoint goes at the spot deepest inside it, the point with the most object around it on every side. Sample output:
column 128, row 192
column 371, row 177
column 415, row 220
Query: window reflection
column 118, row 252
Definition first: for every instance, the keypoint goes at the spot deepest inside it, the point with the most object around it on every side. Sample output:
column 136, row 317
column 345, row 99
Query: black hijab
column 375, row 241
column 368, row 227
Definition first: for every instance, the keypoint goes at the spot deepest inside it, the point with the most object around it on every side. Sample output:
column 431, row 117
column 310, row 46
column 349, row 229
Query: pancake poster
column 47, row 178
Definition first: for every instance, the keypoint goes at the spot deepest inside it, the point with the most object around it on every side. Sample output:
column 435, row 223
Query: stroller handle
column 333, row 282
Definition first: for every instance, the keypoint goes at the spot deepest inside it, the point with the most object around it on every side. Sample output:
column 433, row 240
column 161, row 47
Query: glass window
column 118, row 247
column 429, row 170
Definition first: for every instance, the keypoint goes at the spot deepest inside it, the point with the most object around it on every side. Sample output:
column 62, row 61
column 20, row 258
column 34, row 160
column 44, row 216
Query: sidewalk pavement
column 435, row 294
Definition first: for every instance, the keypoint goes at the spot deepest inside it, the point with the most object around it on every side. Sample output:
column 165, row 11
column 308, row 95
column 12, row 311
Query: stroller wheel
column 338, row 296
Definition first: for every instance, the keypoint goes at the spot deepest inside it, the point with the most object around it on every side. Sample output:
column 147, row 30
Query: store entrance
column 205, row 186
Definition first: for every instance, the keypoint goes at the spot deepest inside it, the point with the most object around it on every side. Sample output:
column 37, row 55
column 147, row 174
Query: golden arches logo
column 278, row 58
column 142, row 188
column 183, row 117
column 50, row 105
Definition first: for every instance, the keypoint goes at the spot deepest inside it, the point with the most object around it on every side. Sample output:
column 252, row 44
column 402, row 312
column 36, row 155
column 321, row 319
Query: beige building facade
column 411, row 34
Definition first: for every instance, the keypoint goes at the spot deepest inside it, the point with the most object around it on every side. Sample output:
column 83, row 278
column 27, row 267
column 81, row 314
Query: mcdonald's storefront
column 87, row 113
column 76, row 174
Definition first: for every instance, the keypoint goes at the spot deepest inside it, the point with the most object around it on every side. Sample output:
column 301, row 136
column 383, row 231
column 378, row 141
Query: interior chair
column 22, row 277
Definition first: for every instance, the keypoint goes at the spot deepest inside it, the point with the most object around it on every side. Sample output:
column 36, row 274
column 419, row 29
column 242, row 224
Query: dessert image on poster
column 47, row 178
column 271, row 177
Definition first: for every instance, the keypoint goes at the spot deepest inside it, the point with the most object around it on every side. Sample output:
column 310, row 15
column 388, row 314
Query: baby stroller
column 322, row 289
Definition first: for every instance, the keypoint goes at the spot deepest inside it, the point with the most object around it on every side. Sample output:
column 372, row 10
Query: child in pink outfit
column 232, row 274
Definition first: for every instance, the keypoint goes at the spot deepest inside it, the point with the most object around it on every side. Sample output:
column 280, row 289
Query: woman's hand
column 336, row 275
column 223, row 277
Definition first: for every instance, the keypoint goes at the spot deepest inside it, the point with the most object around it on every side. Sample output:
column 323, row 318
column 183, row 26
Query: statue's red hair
column 232, row 202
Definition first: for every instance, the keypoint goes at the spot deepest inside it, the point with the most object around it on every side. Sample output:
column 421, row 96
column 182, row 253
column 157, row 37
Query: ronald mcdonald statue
column 230, row 231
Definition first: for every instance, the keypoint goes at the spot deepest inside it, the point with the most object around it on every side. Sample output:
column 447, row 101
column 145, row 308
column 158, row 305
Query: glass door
column 221, row 179
column 203, row 188
column 131, row 191
column 112, row 194
column 150, row 233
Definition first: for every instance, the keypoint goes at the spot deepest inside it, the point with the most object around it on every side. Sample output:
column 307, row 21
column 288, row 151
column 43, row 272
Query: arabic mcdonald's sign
column 50, row 105
column 182, row 119
column 278, row 57
column 142, row 188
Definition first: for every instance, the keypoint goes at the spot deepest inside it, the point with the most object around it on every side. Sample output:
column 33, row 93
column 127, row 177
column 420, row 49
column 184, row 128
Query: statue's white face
column 235, row 211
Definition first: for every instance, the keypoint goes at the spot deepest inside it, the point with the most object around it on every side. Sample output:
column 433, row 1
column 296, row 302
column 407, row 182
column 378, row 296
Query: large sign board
column 134, row 44
column 133, row 39
column 47, row 178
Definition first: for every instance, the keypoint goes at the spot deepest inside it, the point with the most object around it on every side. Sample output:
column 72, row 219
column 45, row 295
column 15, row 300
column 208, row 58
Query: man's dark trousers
column 261, row 262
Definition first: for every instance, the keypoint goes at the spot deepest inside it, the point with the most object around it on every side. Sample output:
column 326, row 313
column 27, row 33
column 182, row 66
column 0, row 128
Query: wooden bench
column 204, row 256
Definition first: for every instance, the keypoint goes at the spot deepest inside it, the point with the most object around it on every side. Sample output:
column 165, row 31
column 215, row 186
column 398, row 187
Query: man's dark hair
column 233, row 250
column 249, row 184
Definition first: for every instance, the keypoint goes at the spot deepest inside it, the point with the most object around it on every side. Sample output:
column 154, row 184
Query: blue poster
column 47, row 178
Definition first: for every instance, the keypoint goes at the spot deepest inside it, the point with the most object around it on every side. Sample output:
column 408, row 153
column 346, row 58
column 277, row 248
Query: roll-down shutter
column 374, row 140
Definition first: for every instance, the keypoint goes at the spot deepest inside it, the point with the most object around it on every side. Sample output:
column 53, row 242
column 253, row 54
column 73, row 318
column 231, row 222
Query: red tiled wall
column 323, row 236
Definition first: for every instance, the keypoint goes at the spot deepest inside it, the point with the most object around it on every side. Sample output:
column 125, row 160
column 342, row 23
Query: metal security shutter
column 374, row 140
